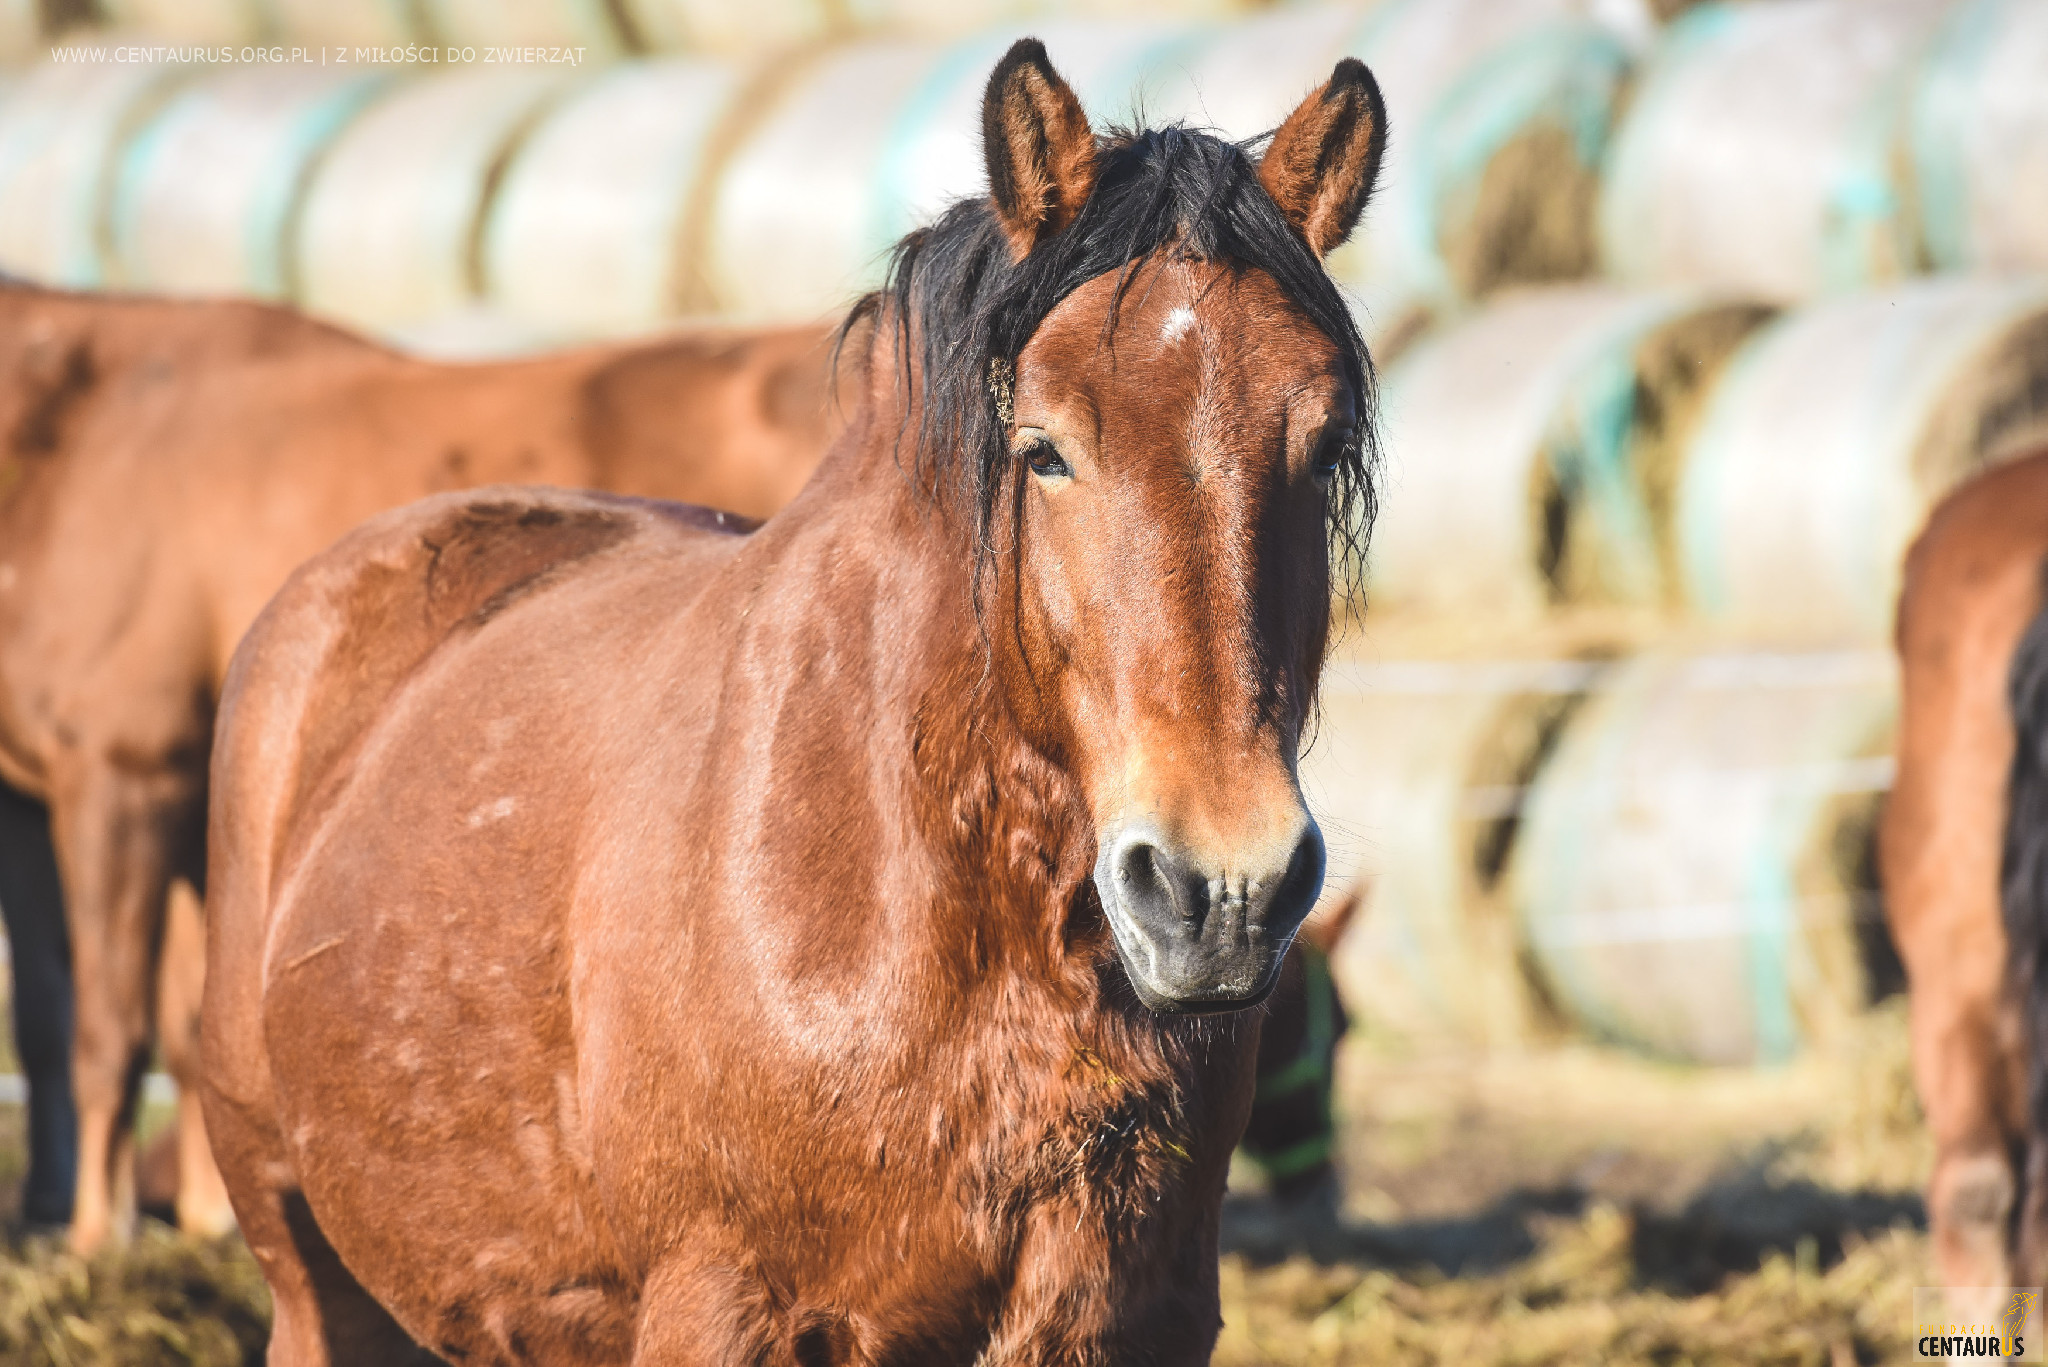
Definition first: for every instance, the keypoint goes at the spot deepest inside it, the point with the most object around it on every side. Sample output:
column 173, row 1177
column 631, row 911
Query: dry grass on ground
column 1586, row 1207
column 1575, row 1206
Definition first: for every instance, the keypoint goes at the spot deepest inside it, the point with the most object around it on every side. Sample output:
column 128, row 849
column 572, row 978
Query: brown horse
column 1956, row 815
column 634, row 938
column 165, row 466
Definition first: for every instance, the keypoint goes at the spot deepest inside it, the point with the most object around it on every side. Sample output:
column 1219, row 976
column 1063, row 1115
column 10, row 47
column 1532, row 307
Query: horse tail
column 2023, row 890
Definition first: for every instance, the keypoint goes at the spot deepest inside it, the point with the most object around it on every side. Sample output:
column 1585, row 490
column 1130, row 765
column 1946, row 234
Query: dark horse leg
column 1291, row 1132
column 32, row 900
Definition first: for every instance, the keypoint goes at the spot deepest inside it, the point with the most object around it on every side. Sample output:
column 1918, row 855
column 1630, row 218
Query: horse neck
column 1000, row 827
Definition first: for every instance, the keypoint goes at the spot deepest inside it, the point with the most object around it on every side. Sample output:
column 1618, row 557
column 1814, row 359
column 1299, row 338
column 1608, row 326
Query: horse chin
column 1199, row 1006
column 1204, row 988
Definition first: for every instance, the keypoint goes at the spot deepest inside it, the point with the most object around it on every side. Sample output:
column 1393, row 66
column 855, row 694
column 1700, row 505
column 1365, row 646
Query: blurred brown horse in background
column 635, row 938
column 1965, row 885
column 163, row 467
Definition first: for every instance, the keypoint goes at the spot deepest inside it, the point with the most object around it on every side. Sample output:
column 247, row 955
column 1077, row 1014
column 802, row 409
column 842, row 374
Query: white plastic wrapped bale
column 1117, row 67
column 188, row 21
column 1979, row 139
column 1243, row 78
column 60, row 131
column 1762, row 151
column 874, row 139
column 941, row 17
column 512, row 24
column 391, row 227
column 1416, row 773
column 374, row 23
column 1833, row 432
column 1693, row 875
column 205, row 193
column 588, row 226
column 719, row 26
column 1499, row 113
column 1530, row 448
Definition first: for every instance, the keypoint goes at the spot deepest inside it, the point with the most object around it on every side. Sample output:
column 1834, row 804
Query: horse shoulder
column 324, row 660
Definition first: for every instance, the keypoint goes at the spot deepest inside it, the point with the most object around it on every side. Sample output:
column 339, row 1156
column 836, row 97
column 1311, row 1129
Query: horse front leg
column 122, row 831
column 203, row 1207
column 698, row 1309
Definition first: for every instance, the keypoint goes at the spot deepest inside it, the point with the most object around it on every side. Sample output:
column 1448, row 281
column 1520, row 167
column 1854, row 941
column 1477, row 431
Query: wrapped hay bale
column 588, row 226
column 787, row 236
column 1503, row 106
column 872, row 140
column 1831, row 435
column 205, row 193
column 1500, row 112
column 1415, row 773
column 1761, row 153
column 719, row 26
column 374, row 23
column 60, row 131
column 1979, row 139
column 487, row 24
column 940, row 17
column 1694, row 872
column 187, row 21
column 390, row 229
column 1531, row 449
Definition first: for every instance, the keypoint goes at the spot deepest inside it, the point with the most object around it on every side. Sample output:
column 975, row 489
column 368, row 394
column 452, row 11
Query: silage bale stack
column 1832, row 435
column 1505, row 104
column 1694, row 873
column 1531, row 452
column 1532, row 448
column 371, row 23
column 1763, row 151
column 778, row 187
column 1978, row 139
column 205, row 195
column 224, row 22
column 1500, row 111
column 720, row 28
column 1416, row 771
column 61, row 130
column 594, row 226
column 390, row 230
column 591, row 25
column 872, row 138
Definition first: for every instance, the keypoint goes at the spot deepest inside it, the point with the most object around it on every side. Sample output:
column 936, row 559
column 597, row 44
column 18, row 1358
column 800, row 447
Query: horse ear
column 1321, row 165
column 1040, row 150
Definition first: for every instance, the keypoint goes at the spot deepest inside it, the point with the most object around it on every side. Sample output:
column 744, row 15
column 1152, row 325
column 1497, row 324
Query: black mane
column 954, row 293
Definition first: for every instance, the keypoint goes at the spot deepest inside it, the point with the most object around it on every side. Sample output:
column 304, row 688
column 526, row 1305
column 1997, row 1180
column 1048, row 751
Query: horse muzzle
column 1196, row 936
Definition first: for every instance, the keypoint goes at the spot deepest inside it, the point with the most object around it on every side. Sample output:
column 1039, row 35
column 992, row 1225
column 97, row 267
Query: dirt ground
column 1573, row 1206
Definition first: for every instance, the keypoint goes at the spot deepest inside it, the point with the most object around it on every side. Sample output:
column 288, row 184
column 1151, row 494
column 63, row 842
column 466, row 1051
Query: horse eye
column 1045, row 459
column 1330, row 451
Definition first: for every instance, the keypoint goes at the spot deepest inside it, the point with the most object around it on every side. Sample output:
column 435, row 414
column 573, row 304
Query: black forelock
column 963, row 308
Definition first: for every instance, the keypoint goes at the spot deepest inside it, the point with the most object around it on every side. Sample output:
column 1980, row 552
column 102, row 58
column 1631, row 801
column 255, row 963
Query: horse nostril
column 1291, row 894
column 1146, row 881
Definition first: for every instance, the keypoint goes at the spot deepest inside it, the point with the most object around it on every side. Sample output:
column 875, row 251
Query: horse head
column 1168, row 416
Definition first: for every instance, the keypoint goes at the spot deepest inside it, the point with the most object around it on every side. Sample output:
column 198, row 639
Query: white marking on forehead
column 1177, row 324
